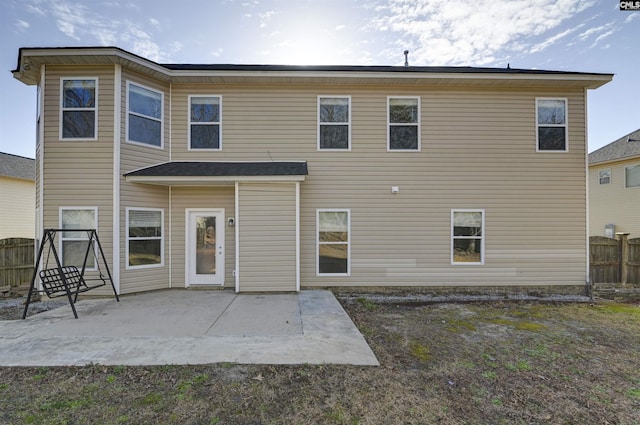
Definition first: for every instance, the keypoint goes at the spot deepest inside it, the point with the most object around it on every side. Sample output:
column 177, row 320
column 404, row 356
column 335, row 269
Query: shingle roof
column 17, row 167
column 625, row 147
column 222, row 169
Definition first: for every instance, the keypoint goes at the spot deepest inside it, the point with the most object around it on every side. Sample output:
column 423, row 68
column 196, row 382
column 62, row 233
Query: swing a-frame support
column 67, row 281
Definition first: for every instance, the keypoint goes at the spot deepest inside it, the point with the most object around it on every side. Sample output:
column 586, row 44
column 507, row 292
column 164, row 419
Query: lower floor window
column 333, row 242
column 144, row 237
column 467, row 237
column 74, row 244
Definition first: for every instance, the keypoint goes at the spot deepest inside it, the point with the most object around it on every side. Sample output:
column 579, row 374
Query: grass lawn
column 477, row 363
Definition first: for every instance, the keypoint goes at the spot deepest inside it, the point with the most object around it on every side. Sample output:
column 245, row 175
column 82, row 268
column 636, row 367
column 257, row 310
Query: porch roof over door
column 194, row 173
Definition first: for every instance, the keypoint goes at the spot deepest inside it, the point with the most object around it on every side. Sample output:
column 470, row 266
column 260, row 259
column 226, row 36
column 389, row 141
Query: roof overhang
column 193, row 173
column 31, row 59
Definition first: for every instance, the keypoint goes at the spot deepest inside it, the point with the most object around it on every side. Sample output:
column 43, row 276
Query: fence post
column 622, row 238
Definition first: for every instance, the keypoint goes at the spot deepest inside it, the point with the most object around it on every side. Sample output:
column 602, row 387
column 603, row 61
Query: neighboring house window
column 404, row 123
column 334, row 246
column 144, row 118
column 467, row 237
column 551, row 125
column 73, row 245
column 632, row 176
column 145, row 245
column 204, row 122
column 605, row 176
column 79, row 112
column 334, row 123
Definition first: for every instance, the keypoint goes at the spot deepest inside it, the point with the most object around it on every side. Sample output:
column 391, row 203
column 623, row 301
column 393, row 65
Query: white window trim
column 600, row 176
column 625, row 176
column 127, row 113
column 189, row 123
column 84, row 238
column 318, row 243
column 127, row 239
column 418, row 124
column 565, row 125
column 63, row 109
column 482, row 238
column 348, row 123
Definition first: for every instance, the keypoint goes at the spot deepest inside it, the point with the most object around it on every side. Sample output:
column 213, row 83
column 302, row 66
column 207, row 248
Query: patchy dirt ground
column 476, row 363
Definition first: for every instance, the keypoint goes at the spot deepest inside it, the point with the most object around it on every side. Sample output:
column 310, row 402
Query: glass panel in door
column 205, row 247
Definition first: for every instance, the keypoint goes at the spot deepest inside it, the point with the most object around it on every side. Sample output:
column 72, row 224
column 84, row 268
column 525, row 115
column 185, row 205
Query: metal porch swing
column 59, row 281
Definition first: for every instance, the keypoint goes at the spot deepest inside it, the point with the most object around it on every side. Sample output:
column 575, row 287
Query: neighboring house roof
column 625, row 147
column 17, row 167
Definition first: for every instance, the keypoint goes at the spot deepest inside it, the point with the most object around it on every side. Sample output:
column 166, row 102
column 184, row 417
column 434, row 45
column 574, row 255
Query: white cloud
column 266, row 17
column 470, row 32
column 340, row 27
column 553, row 39
column 154, row 22
column 22, row 25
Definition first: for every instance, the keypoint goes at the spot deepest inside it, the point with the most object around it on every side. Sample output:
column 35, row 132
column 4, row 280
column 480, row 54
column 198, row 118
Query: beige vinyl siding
column 17, row 209
column 207, row 197
column 478, row 151
column 79, row 173
column 613, row 203
column 267, row 236
column 134, row 156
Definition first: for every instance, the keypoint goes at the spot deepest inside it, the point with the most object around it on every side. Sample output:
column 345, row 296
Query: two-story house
column 614, row 187
column 276, row 178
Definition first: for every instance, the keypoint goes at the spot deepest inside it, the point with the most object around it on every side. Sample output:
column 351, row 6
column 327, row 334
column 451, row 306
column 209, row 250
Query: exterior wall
column 478, row 151
column 613, row 203
column 17, row 210
column 132, row 157
column 267, row 236
column 208, row 197
column 79, row 173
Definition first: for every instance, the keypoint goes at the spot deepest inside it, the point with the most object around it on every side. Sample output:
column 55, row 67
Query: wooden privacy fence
column 614, row 260
column 16, row 261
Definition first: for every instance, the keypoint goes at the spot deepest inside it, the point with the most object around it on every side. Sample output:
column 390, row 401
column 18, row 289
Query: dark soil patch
column 472, row 363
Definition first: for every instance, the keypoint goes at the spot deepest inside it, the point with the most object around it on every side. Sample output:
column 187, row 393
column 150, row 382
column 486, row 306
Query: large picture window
column 403, row 123
column 551, row 125
column 334, row 123
column 145, row 247
column 467, row 237
column 333, row 242
column 204, row 122
column 632, row 176
column 78, row 112
column 73, row 245
column 144, row 118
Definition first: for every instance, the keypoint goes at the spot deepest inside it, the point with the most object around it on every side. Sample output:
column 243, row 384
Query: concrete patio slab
column 189, row 327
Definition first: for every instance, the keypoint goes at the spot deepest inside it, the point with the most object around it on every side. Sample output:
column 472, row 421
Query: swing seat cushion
column 56, row 284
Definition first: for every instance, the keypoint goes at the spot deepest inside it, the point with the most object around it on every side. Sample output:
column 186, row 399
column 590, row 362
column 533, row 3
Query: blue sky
column 564, row 35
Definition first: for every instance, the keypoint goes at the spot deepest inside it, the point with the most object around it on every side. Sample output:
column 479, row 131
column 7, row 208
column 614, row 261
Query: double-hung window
column 73, row 244
column 333, row 242
column 79, row 108
column 204, row 122
column 145, row 246
column 632, row 176
column 551, row 125
column 403, row 129
column 334, row 123
column 467, row 237
column 604, row 176
column 144, row 115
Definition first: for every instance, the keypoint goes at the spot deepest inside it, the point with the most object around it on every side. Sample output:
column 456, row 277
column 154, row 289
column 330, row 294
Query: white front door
column 204, row 247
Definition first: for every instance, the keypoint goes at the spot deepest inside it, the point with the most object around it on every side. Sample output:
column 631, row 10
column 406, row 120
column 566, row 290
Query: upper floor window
column 551, row 125
column 144, row 117
column 204, row 122
column 334, row 123
column 605, row 176
column 632, row 176
column 467, row 237
column 79, row 108
column 404, row 123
